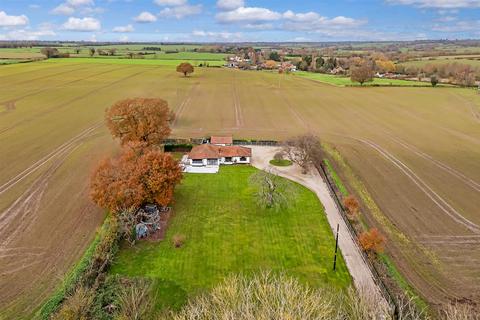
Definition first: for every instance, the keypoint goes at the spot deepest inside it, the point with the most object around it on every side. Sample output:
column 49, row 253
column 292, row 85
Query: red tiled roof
column 235, row 151
column 209, row 151
column 221, row 140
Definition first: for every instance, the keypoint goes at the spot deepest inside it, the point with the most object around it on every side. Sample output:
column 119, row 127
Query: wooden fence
column 376, row 275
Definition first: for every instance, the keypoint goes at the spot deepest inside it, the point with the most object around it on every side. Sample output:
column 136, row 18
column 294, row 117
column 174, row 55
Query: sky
column 238, row 20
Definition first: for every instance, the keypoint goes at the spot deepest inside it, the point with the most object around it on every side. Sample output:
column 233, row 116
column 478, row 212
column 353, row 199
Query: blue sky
column 238, row 20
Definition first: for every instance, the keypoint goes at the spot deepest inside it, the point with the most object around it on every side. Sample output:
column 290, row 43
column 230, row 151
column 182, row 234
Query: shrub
column 459, row 311
column 270, row 296
column 77, row 306
column 352, row 206
column 135, row 301
column 372, row 241
column 178, row 240
column 278, row 156
column 265, row 296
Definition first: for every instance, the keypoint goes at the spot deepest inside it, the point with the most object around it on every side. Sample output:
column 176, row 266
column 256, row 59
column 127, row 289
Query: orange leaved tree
column 372, row 241
column 139, row 120
column 352, row 206
column 185, row 68
column 134, row 178
column 159, row 173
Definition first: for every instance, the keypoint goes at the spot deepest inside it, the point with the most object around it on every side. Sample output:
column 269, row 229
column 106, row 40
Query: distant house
column 221, row 141
column 206, row 158
column 338, row 70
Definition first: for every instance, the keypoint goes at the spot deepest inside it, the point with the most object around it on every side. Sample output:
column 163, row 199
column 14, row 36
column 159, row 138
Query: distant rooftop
column 221, row 140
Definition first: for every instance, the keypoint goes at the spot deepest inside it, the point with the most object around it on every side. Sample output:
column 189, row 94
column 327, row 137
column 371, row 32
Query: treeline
column 53, row 53
column 457, row 73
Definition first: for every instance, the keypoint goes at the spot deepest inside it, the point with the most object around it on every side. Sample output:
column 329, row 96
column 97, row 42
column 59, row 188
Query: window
column 243, row 159
column 228, row 159
column 212, row 162
column 197, row 161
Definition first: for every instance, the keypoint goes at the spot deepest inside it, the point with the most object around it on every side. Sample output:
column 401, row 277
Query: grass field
column 125, row 61
column 227, row 233
column 411, row 153
column 159, row 57
column 345, row 81
column 444, row 60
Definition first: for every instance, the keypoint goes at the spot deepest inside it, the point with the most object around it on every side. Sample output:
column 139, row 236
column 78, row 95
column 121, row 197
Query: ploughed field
column 417, row 151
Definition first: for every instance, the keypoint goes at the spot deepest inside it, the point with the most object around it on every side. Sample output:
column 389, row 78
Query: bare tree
column 272, row 190
column 304, row 151
column 50, row 52
column 362, row 74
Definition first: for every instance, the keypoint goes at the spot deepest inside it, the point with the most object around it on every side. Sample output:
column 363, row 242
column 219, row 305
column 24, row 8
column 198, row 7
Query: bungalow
column 213, row 155
column 207, row 158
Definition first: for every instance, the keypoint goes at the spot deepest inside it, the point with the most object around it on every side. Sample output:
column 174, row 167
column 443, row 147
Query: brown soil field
column 416, row 151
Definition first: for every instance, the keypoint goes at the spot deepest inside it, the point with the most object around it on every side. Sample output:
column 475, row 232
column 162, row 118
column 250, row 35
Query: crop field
column 227, row 233
column 473, row 61
column 342, row 81
column 414, row 150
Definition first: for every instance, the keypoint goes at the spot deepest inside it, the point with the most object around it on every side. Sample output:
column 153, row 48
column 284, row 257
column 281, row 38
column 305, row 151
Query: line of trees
column 458, row 73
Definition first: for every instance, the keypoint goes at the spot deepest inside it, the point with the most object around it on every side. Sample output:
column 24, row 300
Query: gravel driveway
column 360, row 272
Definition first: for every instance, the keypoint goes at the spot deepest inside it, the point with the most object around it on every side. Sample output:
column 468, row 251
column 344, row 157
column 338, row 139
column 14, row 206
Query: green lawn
column 226, row 232
column 281, row 163
column 345, row 81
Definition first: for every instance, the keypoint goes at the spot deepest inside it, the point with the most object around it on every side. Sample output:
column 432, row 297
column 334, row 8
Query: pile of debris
column 149, row 220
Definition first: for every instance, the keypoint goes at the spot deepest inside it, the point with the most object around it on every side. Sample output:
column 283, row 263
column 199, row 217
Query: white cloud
column 230, row 4
column 312, row 21
column 218, row 36
column 446, row 19
column 181, row 11
column 82, row 24
column 63, row 9
column 460, row 26
column 173, row 3
column 445, row 4
column 259, row 26
column 43, row 30
column 69, row 7
column 34, row 6
column 145, row 17
column 248, row 14
column 127, row 28
column 79, row 3
column 123, row 39
column 12, row 21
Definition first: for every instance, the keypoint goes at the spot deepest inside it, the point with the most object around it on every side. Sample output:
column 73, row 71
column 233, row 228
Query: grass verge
column 281, row 163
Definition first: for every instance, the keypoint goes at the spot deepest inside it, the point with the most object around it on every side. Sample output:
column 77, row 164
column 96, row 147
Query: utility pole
column 336, row 249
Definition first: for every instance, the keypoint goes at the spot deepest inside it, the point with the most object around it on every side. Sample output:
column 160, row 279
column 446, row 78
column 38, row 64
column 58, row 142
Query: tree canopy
column 272, row 190
column 134, row 178
column 185, row 68
column 303, row 150
column 362, row 74
column 143, row 120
